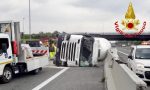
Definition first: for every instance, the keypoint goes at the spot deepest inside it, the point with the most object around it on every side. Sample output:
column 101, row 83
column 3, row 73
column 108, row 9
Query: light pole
column 23, row 25
column 29, row 21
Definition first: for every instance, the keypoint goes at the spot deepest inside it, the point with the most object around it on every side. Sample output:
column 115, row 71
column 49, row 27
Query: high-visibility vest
column 52, row 54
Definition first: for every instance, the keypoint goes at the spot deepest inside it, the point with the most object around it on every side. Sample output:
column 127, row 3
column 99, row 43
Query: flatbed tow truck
column 15, row 57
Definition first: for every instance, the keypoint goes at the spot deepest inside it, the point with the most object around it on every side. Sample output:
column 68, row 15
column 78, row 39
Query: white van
column 139, row 61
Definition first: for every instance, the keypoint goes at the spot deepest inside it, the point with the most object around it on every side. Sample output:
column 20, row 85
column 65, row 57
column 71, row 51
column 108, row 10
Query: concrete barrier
column 118, row 76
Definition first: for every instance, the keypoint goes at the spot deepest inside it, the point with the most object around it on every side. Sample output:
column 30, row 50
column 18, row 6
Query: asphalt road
column 72, row 78
column 29, row 81
column 78, row 78
column 123, row 53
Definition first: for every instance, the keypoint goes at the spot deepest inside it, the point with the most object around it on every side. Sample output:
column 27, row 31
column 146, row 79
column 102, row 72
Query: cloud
column 71, row 15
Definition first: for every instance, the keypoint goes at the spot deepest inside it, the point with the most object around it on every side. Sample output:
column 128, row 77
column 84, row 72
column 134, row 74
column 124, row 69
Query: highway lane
column 29, row 81
column 79, row 78
column 123, row 53
column 74, row 78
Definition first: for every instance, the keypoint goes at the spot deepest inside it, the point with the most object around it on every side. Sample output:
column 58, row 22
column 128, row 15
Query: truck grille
column 147, row 74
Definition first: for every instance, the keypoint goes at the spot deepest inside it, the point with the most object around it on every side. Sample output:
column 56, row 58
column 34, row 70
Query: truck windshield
column 3, row 45
column 142, row 53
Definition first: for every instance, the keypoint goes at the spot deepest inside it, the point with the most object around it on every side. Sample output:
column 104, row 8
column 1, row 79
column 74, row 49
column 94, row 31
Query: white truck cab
column 83, row 50
column 139, row 61
column 5, row 49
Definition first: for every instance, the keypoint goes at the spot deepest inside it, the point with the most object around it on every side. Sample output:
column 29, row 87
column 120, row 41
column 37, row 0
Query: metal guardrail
column 118, row 76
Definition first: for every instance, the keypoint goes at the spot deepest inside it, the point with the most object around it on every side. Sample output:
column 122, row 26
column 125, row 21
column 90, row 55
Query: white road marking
column 50, row 79
column 125, row 49
column 55, row 67
column 123, row 53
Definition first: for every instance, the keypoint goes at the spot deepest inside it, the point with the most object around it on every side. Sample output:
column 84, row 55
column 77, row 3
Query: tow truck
column 15, row 57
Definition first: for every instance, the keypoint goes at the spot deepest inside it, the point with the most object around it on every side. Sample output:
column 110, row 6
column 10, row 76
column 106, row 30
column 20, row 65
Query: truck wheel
column 65, row 64
column 40, row 68
column 7, row 75
column 36, row 71
column 54, row 62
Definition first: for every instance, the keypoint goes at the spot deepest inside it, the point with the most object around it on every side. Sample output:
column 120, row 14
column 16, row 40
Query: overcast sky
column 72, row 15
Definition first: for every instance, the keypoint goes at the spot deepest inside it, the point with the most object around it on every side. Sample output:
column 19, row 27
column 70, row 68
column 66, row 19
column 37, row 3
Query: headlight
column 140, row 66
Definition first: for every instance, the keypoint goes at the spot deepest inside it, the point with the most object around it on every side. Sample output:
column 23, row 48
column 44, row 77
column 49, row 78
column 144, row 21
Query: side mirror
column 130, row 57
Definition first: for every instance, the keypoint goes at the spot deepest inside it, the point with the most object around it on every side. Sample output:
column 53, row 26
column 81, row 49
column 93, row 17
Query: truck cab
column 5, row 57
column 139, row 61
column 83, row 50
column 5, row 48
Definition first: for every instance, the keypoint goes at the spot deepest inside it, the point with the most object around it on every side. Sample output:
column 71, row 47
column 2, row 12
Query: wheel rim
column 37, row 70
column 7, row 75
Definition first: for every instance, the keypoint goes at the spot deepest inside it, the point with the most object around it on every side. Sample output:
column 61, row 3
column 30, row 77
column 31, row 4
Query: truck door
column 5, row 51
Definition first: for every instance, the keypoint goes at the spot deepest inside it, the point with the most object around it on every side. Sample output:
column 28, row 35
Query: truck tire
column 65, row 64
column 7, row 75
column 36, row 71
column 40, row 68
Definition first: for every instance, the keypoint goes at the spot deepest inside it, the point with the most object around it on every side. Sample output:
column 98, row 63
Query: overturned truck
column 82, row 50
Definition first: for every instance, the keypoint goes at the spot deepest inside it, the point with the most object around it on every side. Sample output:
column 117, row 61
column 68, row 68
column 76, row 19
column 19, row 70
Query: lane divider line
column 50, row 79
column 55, row 67
column 125, row 49
column 123, row 53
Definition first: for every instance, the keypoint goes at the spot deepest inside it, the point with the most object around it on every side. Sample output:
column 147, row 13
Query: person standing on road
column 52, row 50
column 59, row 42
